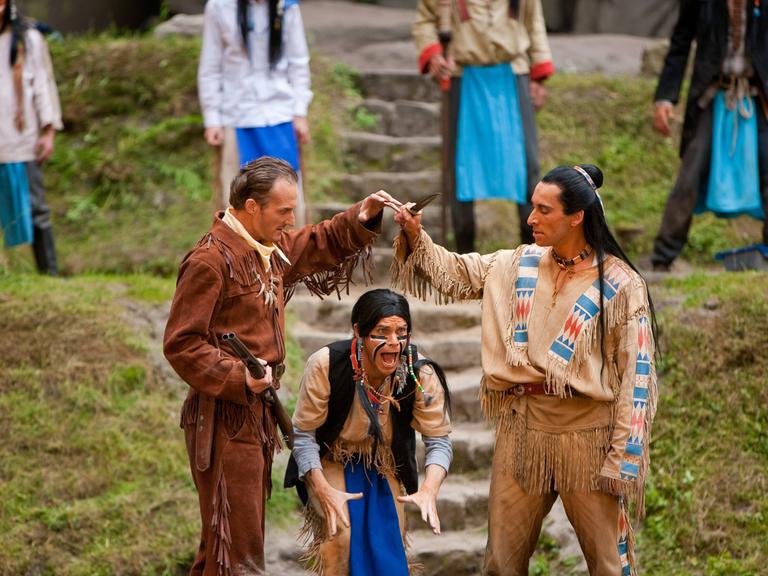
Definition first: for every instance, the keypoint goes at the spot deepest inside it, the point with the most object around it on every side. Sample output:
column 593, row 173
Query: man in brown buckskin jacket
column 237, row 279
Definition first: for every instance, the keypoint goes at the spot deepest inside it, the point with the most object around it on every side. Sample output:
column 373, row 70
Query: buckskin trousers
column 232, row 498
column 515, row 519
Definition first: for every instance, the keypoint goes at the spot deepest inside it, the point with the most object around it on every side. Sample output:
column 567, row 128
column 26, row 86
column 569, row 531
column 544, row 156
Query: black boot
column 45, row 251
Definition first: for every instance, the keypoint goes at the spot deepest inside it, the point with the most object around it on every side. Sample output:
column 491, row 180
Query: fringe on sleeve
column 421, row 274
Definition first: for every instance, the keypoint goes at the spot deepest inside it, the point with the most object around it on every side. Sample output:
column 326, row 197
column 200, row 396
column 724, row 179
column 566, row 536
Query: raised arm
column 324, row 255
column 421, row 266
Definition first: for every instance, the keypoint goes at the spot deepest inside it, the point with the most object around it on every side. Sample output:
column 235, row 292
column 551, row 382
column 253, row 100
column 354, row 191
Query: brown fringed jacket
column 222, row 287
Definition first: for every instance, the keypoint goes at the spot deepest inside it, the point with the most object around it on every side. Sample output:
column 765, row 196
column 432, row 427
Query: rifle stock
column 270, row 394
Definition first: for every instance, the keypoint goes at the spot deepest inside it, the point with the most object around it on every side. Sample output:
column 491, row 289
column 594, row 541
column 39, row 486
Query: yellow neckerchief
column 265, row 251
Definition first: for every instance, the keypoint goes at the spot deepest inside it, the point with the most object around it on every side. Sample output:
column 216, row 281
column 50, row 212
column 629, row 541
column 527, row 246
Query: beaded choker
column 566, row 263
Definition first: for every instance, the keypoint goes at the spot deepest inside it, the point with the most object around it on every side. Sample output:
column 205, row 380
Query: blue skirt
column 15, row 204
column 278, row 141
column 490, row 146
column 733, row 188
column 375, row 544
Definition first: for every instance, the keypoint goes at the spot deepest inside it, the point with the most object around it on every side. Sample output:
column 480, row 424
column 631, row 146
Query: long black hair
column 275, row 28
column 579, row 192
column 12, row 18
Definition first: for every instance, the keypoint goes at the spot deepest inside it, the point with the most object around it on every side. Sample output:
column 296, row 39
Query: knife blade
column 422, row 202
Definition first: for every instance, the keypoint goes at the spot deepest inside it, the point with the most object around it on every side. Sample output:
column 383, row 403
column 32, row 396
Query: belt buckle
column 519, row 390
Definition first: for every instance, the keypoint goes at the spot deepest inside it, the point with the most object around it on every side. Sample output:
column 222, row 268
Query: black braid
column 275, row 33
column 18, row 25
column 242, row 23
column 275, row 17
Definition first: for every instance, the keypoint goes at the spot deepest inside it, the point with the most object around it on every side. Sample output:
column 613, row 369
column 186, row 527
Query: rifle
column 270, row 394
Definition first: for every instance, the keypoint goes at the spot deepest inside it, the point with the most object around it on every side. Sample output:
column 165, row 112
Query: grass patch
column 95, row 478
column 706, row 501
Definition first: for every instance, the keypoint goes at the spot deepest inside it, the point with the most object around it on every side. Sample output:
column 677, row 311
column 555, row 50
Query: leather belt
column 542, row 389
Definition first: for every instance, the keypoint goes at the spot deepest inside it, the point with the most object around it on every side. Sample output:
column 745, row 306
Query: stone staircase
column 450, row 335
column 400, row 154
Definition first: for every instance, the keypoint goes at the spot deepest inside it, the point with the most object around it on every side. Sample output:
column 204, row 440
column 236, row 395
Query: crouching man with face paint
column 354, row 465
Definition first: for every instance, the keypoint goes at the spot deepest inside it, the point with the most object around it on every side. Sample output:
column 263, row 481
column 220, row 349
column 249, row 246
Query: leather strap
column 206, row 408
column 541, row 389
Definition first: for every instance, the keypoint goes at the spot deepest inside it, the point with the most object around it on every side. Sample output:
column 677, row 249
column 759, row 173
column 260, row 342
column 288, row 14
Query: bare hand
column 440, row 68
column 375, row 203
column 214, row 135
column 426, row 500
column 663, row 113
column 332, row 501
column 44, row 145
column 409, row 223
column 301, row 127
column 538, row 94
column 258, row 386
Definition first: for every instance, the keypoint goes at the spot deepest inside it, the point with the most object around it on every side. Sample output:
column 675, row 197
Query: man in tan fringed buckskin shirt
column 237, row 279
column 568, row 370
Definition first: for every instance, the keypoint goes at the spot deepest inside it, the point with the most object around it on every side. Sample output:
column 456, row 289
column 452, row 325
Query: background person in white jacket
column 254, row 86
column 29, row 116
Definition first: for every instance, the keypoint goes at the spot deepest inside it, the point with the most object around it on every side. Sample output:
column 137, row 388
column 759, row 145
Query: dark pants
column 463, row 213
column 693, row 175
column 42, row 243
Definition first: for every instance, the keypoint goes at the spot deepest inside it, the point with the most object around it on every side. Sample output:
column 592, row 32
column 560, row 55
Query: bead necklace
column 567, row 264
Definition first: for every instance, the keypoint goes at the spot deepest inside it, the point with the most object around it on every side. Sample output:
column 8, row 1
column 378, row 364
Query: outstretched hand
column 375, row 203
column 426, row 500
column 332, row 501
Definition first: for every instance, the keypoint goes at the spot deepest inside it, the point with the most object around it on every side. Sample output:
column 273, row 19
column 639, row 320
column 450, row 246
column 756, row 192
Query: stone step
column 455, row 551
column 395, row 85
column 465, row 395
column 402, row 117
column 405, row 186
column 461, row 553
column 453, row 350
column 450, row 553
column 472, row 447
column 332, row 314
column 366, row 151
column 461, row 504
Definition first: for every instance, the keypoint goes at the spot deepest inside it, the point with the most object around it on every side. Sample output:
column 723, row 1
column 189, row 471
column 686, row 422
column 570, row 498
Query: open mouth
column 389, row 359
